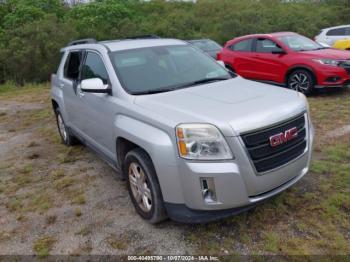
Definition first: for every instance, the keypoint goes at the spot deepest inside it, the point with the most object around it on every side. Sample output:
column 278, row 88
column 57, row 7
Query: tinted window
column 347, row 31
column 243, row 46
column 72, row 66
column 266, row 46
column 152, row 69
column 94, row 68
column 337, row 31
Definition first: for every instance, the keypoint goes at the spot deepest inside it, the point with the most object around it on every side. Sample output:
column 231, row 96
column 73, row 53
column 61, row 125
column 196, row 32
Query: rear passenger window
column 94, row 68
column 72, row 65
column 242, row 46
column 337, row 31
column 347, row 31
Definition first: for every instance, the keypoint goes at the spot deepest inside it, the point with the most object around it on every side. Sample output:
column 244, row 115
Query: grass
column 122, row 242
column 310, row 218
column 84, row 231
column 43, row 245
column 78, row 212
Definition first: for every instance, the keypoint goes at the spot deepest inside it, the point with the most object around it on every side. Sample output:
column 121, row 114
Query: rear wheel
column 67, row 138
column 143, row 186
column 301, row 81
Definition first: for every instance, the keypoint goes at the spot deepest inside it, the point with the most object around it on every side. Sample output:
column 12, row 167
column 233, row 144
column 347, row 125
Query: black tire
column 302, row 81
column 67, row 138
column 139, row 159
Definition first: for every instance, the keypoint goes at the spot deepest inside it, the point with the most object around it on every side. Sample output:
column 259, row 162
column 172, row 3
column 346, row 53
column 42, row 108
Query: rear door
column 241, row 58
column 269, row 66
column 69, row 83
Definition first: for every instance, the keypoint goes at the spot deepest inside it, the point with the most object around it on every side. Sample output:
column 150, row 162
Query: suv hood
column 330, row 53
column 235, row 105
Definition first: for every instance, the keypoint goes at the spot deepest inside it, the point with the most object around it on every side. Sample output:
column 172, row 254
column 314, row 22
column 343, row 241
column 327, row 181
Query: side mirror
column 94, row 85
column 278, row 52
column 220, row 63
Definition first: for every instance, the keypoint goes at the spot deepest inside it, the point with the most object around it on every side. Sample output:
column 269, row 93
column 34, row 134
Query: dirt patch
column 341, row 131
column 62, row 200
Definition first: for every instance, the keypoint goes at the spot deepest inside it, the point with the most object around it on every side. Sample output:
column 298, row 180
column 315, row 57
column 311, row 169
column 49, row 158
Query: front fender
column 160, row 147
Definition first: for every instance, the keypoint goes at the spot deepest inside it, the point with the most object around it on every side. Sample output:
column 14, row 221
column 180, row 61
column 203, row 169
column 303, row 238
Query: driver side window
column 94, row 68
column 266, row 46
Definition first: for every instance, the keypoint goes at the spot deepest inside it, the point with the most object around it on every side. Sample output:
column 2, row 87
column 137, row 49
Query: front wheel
column 301, row 81
column 143, row 186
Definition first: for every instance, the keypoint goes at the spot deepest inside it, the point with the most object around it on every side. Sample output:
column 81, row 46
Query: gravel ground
column 105, row 222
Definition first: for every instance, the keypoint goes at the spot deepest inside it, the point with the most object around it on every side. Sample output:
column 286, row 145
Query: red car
column 287, row 59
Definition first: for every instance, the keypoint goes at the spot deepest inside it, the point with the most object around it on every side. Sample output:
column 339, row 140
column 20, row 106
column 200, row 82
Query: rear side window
column 266, row 46
column 94, row 68
column 337, row 31
column 72, row 65
column 243, row 46
column 347, row 31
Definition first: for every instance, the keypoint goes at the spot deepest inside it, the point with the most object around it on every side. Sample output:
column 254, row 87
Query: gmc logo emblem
column 281, row 138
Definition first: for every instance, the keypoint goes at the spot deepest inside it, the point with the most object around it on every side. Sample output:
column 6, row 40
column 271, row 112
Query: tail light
column 218, row 56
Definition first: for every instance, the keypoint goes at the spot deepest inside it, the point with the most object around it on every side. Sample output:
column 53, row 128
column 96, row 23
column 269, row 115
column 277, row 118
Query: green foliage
column 33, row 31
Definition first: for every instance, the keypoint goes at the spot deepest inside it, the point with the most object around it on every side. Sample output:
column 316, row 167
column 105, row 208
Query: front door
column 99, row 109
column 269, row 64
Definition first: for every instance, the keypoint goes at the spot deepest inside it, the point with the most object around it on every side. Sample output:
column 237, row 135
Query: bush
column 33, row 31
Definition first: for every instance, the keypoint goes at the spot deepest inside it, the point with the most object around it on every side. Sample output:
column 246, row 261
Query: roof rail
column 83, row 41
column 144, row 37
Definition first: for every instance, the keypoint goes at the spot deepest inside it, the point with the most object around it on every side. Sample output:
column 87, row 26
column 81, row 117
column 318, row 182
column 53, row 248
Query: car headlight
column 330, row 62
column 201, row 142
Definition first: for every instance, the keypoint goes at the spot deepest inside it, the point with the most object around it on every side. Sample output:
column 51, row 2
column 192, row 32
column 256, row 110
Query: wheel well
column 300, row 68
column 123, row 146
column 54, row 104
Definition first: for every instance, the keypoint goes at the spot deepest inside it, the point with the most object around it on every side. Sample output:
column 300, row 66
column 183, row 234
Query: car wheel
column 301, row 81
column 67, row 138
column 143, row 186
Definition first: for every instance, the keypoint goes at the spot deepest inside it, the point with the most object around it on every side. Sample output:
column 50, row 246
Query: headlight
column 330, row 62
column 201, row 142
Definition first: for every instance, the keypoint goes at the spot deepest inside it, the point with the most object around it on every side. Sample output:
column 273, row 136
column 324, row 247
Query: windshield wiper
column 198, row 82
column 156, row 91
column 205, row 80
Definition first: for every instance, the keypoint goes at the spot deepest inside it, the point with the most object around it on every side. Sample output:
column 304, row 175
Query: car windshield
column 300, row 43
column 165, row 68
column 206, row 45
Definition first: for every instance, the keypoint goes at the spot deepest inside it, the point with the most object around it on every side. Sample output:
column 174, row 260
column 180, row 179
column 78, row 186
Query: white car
column 328, row 36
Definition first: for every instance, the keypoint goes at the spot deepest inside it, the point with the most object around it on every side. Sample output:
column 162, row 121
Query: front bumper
column 238, row 187
column 334, row 77
column 181, row 213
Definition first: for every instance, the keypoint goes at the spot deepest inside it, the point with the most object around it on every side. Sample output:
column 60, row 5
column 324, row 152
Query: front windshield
column 165, row 68
column 206, row 45
column 299, row 43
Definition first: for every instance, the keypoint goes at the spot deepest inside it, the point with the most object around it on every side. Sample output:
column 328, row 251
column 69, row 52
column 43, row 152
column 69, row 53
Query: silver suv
column 194, row 141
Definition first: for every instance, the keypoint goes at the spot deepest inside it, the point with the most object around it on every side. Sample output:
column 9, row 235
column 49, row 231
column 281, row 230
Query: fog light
column 208, row 189
column 333, row 79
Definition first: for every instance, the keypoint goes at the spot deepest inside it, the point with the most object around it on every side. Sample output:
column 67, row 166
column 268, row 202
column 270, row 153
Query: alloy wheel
column 139, row 187
column 61, row 127
column 300, row 82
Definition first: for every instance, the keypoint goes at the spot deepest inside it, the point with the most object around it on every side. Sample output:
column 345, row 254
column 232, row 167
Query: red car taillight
column 218, row 56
